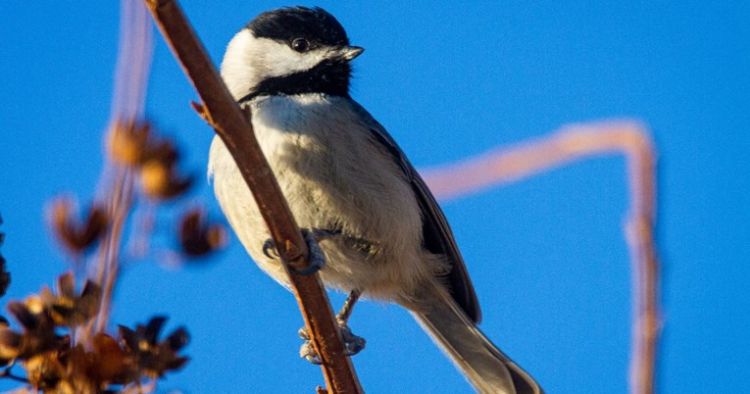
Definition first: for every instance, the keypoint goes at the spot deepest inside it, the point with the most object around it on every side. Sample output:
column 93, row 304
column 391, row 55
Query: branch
column 134, row 55
column 233, row 127
column 573, row 143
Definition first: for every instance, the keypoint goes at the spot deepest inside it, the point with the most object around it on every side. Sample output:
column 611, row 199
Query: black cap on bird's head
column 290, row 51
column 287, row 24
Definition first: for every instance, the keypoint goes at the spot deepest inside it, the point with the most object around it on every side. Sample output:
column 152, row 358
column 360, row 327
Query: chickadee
column 348, row 183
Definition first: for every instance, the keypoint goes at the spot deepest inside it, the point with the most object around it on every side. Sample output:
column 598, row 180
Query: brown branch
column 233, row 127
column 568, row 144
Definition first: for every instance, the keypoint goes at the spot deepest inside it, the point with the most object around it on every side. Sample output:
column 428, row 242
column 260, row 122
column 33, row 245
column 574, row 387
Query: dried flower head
column 198, row 236
column 76, row 235
column 135, row 145
column 54, row 364
column 46, row 371
column 153, row 357
column 128, row 142
column 80, row 370
column 40, row 315
column 112, row 362
column 4, row 361
column 160, row 181
column 66, row 308
column 161, row 150
column 39, row 335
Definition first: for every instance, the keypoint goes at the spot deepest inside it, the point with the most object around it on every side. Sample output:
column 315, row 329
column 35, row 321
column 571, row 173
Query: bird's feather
column 437, row 235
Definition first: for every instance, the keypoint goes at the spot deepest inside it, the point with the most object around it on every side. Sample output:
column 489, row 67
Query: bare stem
column 574, row 143
column 118, row 182
column 119, row 209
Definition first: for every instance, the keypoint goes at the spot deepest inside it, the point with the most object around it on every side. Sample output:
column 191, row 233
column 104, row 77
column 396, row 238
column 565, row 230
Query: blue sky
column 448, row 80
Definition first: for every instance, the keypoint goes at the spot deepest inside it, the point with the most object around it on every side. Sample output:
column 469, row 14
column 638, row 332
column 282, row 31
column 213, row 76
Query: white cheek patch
column 235, row 68
column 282, row 60
column 249, row 60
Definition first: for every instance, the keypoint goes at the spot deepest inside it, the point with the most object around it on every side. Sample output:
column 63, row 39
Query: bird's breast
column 335, row 176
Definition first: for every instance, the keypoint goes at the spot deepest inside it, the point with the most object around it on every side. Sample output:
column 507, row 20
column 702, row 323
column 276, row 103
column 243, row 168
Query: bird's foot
column 353, row 344
column 316, row 258
column 307, row 350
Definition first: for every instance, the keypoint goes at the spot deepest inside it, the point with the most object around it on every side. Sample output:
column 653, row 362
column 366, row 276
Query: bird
column 350, row 188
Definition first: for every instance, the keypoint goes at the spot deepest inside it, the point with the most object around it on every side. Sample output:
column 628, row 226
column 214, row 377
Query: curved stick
column 576, row 142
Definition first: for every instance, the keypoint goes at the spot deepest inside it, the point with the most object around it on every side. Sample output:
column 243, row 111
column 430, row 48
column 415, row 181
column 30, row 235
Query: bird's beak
column 348, row 53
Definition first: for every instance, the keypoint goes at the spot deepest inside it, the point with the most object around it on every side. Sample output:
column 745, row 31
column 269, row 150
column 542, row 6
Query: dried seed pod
column 10, row 343
column 29, row 319
column 45, row 371
column 66, row 284
column 163, row 151
column 159, row 181
column 153, row 328
column 151, row 356
column 178, row 339
column 134, row 145
column 198, row 237
column 128, row 142
column 113, row 364
column 77, row 236
column 38, row 335
column 67, row 308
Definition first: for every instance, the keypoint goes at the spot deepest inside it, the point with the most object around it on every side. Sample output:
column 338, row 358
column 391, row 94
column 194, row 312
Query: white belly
column 335, row 176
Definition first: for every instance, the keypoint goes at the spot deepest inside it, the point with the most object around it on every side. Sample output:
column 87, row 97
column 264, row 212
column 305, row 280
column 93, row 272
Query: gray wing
column 438, row 237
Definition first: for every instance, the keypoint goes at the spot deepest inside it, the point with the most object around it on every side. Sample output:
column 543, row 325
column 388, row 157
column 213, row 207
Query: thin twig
column 134, row 52
column 118, row 182
column 233, row 127
column 119, row 209
column 573, row 143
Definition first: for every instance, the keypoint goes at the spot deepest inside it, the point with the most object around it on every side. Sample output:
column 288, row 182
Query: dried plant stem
column 232, row 126
column 119, row 201
column 141, row 230
column 573, row 143
column 133, row 61
column 119, row 208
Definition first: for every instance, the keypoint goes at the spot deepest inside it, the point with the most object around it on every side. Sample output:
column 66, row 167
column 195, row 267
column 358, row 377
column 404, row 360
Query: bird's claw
column 316, row 258
column 353, row 344
column 269, row 249
column 307, row 351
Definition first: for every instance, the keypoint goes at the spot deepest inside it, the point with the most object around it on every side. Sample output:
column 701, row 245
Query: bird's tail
column 487, row 368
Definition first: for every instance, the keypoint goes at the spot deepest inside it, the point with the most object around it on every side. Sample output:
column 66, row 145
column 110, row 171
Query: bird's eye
column 300, row 44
